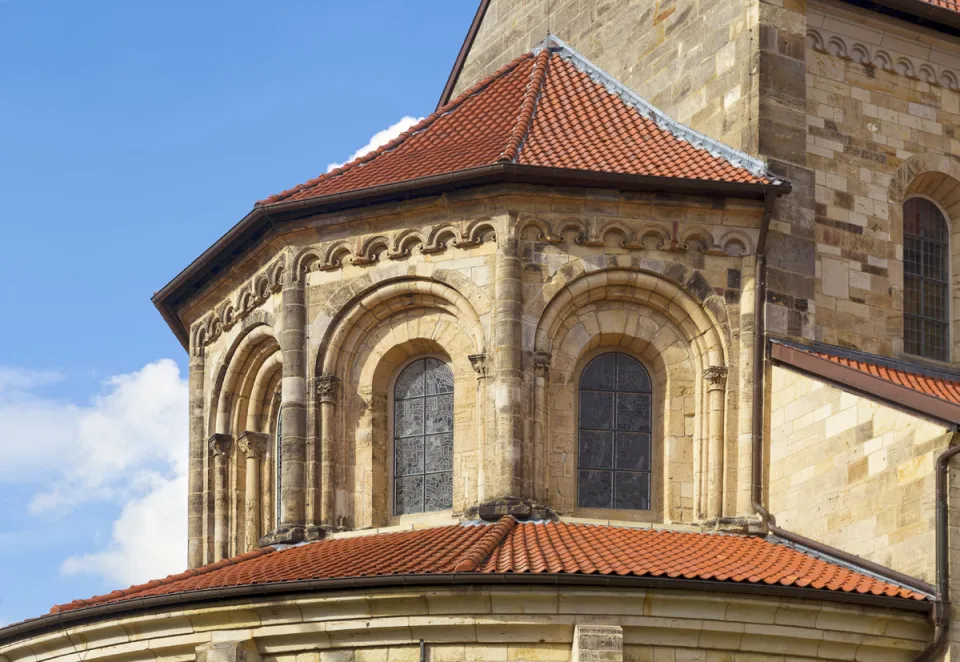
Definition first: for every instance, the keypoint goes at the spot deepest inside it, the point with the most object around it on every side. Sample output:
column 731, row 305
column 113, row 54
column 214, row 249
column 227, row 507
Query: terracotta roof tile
column 511, row 547
column 938, row 387
column 548, row 108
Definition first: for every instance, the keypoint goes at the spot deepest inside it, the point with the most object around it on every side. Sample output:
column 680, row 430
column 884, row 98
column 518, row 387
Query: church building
column 643, row 347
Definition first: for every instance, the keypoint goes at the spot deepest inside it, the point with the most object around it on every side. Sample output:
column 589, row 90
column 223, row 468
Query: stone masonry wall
column 688, row 58
column 883, row 108
column 384, row 286
column 502, row 624
column 852, row 473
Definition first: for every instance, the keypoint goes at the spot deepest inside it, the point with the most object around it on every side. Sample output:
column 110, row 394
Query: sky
column 132, row 136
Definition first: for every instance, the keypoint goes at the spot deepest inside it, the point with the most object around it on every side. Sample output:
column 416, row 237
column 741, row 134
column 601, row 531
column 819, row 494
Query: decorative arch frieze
column 848, row 48
column 250, row 296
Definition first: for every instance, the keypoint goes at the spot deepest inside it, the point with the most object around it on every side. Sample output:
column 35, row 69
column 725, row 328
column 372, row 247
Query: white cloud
column 380, row 138
column 127, row 445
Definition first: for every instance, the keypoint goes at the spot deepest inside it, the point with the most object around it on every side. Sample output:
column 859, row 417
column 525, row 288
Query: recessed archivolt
column 252, row 413
column 700, row 330
column 850, row 49
column 349, row 325
column 934, row 176
column 245, row 355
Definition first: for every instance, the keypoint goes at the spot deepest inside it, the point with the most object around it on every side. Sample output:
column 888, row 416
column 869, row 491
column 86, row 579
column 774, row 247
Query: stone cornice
column 851, row 48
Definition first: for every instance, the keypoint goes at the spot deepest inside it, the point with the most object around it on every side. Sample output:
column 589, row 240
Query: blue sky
column 132, row 135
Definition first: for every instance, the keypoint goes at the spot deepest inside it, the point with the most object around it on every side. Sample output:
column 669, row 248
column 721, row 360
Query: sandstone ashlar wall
column 515, row 624
column 883, row 110
column 687, row 58
column 852, row 473
column 515, row 287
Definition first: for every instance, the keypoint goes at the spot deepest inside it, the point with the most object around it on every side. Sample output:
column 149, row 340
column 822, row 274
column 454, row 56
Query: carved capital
column 328, row 388
column 219, row 444
column 715, row 377
column 541, row 363
column 253, row 444
column 479, row 363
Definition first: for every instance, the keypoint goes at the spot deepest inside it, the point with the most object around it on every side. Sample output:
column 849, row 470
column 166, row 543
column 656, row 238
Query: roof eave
column 43, row 624
column 262, row 219
column 900, row 397
column 918, row 12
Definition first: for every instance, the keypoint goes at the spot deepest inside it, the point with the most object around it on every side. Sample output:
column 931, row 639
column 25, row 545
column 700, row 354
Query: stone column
column 293, row 409
column 541, row 367
column 196, row 459
column 745, row 390
column 220, row 449
column 479, row 363
column 253, row 445
column 507, row 392
column 328, row 388
column 597, row 643
column 715, row 380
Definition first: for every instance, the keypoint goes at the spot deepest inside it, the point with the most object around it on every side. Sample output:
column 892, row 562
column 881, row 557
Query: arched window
column 926, row 286
column 614, row 443
column 423, row 438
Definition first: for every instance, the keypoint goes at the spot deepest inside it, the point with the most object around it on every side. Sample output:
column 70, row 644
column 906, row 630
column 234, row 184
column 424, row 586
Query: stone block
column 597, row 643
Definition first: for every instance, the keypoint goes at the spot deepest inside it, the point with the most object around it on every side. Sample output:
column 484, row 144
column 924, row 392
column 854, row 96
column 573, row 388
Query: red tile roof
column 549, row 108
column 929, row 392
column 938, row 387
column 952, row 5
column 511, row 547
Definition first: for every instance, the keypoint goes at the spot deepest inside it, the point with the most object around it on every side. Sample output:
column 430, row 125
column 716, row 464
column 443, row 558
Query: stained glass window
column 423, row 438
column 926, row 287
column 614, row 435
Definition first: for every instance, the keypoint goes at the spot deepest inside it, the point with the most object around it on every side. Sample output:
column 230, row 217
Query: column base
column 522, row 509
column 752, row 526
column 287, row 534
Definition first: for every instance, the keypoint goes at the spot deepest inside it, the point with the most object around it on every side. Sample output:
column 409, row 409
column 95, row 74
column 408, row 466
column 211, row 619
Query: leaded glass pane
column 409, row 417
column 596, row 489
column 423, row 438
column 438, row 492
column 439, row 453
column 410, row 382
column 439, row 414
column 601, row 373
column 632, row 490
column 633, row 411
column 596, row 410
column 633, row 451
column 409, row 458
column 439, row 377
column 925, row 280
column 614, row 467
column 596, row 449
column 409, row 497
column 631, row 375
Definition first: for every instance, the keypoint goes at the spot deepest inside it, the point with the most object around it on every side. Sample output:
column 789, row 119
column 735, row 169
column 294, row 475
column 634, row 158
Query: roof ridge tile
column 538, row 76
column 482, row 549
